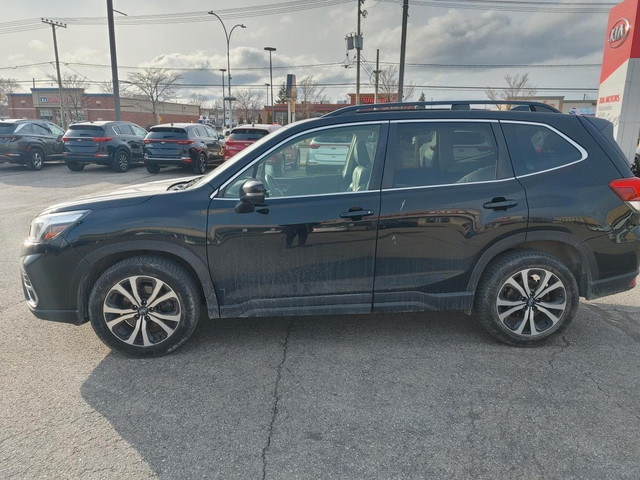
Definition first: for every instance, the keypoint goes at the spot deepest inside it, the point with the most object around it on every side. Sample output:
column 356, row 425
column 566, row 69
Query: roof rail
column 453, row 105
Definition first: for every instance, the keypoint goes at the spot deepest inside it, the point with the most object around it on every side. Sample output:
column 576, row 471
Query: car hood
column 121, row 197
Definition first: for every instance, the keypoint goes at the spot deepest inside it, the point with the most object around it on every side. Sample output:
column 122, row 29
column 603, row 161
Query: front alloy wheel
column 144, row 306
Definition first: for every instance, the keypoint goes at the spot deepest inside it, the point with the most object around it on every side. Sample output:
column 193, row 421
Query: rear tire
column 635, row 168
column 75, row 166
column 526, row 297
column 125, row 311
column 36, row 159
column 121, row 161
column 200, row 165
column 153, row 168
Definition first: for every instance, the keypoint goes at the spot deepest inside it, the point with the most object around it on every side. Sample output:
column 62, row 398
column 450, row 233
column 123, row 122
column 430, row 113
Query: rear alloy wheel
column 75, row 166
column 200, row 166
column 36, row 159
column 121, row 161
column 144, row 306
column 526, row 297
column 153, row 168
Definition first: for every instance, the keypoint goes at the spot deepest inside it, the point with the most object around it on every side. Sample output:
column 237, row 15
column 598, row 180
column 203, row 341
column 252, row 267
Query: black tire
column 146, row 333
column 635, row 167
column 36, row 159
column 200, row 164
column 523, row 315
column 75, row 166
column 121, row 161
column 153, row 168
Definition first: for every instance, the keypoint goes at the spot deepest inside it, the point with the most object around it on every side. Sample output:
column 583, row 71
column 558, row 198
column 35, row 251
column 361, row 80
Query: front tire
column 121, row 161
column 144, row 306
column 36, row 159
column 200, row 166
column 526, row 297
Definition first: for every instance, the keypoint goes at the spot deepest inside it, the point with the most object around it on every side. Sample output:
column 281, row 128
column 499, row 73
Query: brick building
column 44, row 103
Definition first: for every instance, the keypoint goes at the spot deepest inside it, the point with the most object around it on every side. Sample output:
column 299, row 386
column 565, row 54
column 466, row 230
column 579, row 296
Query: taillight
column 185, row 142
column 147, row 142
column 102, row 139
column 15, row 138
column 314, row 146
column 65, row 139
column 628, row 190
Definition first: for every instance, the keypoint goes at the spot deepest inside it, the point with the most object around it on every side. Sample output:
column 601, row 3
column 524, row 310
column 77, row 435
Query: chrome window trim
column 287, row 140
column 392, row 189
column 305, row 196
column 583, row 152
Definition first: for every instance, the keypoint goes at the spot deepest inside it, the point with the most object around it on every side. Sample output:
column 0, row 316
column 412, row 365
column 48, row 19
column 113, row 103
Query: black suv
column 511, row 215
column 182, row 144
column 30, row 142
column 116, row 144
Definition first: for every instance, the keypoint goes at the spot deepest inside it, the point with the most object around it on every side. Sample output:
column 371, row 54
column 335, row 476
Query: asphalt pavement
column 402, row 396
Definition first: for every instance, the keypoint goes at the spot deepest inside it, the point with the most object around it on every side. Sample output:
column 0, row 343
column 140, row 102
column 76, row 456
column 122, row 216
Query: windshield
column 6, row 128
column 240, row 157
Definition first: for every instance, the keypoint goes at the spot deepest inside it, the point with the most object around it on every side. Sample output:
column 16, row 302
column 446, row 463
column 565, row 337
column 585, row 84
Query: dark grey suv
column 116, row 144
column 509, row 215
column 30, row 142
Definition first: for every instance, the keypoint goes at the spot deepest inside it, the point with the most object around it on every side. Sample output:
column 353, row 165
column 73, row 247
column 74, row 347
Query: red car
column 244, row 135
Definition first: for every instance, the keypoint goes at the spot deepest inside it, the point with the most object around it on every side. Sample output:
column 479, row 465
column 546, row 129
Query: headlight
column 49, row 226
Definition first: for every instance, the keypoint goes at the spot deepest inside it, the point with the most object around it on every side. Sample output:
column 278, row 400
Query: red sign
column 623, row 37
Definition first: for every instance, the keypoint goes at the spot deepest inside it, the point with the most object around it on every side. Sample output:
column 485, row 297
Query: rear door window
column 123, row 129
column 247, row 134
column 536, row 148
column 40, row 130
column 443, row 153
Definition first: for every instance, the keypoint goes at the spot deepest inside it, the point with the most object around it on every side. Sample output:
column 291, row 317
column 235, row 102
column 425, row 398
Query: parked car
column 182, row 145
column 242, row 136
column 546, row 212
column 30, row 142
column 328, row 152
column 116, row 144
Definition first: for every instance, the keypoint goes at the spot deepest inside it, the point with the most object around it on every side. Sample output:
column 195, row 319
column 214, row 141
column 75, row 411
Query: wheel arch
column 566, row 247
column 98, row 261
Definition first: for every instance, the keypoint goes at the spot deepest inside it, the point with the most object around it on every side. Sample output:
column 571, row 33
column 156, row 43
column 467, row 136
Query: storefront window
column 46, row 114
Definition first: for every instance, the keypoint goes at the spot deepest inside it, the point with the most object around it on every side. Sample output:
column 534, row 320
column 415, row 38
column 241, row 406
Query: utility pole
column 114, row 61
column 55, row 24
column 224, row 107
column 377, row 73
column 358, row 48
column 403, row 47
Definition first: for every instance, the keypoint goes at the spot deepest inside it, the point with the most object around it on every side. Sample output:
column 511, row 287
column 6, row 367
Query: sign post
column 619, row 95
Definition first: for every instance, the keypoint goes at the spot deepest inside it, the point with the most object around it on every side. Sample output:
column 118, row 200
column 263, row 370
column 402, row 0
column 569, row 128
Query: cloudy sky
column 451, row 44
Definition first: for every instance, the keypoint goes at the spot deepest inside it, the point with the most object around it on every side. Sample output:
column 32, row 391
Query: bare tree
column 8, row 86
column 155, row 85
column 107, row 87
column 518, row 87
column 249, row 102
column 308, row 93
column 73, row 93
column 198, row 100
column 388, row 85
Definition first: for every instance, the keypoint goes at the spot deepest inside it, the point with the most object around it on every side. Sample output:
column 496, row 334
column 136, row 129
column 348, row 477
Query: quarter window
column 535, row 148
column 432, row 153
column 334, row 160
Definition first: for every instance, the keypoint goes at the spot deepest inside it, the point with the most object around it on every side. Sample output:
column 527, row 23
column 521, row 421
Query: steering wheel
column 272, row 186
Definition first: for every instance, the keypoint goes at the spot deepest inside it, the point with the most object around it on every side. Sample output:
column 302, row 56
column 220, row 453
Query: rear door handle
column 356, row 213
column 500, row 203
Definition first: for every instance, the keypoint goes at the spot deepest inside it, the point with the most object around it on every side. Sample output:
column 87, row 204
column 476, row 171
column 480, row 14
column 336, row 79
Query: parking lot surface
column 359, row 397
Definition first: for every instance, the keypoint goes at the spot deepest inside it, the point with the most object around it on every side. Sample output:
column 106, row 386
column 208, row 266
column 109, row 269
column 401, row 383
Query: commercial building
column 44, row 103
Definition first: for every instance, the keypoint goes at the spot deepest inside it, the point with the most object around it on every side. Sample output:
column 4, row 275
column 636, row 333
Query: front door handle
column 356, row 213
column 500, row 203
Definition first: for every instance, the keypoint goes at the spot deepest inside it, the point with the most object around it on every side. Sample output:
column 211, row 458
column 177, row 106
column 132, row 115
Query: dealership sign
column 619, row 33
column 620, row 75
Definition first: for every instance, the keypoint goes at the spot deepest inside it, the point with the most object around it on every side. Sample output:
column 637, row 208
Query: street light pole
column 268, row 85
column 270, row 50
column 228, row 37
column 224, row 107
column 403, row 48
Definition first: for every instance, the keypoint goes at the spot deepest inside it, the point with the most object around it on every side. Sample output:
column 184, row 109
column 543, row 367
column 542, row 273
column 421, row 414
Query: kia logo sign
column 619, row 33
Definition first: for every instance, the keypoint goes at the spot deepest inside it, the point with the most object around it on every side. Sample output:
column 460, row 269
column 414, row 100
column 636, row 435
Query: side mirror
column 253, row 193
